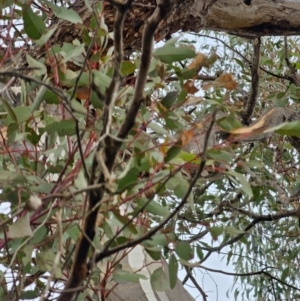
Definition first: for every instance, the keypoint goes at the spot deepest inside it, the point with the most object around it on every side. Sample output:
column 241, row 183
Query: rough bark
column 257, row 18
column 240, row 17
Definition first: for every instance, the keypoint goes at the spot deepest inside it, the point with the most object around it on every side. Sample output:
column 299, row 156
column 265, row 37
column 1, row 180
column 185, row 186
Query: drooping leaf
column 159, row 280
column 216, row 232
column 199, row 252
column 34, row 25
column 245, row 185
column 124, row 221
column 173, row 270
column 38, row 99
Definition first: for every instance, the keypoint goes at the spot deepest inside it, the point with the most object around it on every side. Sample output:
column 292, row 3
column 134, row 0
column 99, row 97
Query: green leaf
column 121, row 276
column 51, row 97
column 169, row 54
column 34, row 25
column 64, row 13
column 245, row 185
column 129, row 179
column 9, row 109
column 21, row 228
column 29, row 295
column 127, row 68
column 285, row 273
column 161, row 239
column 199, row 252
column 78, row 107
column 170, row 99
column 229, row 123
column 46, row 36
column 39, row 235
column 101, row 80
column 45, row 261
column 216, row 232
column 38, row 99
column 188, row 157
column 62, row 128
column 157, row 128
column 73, row 232
column 184, row 250
column 172, row 152
column 23, row 113
column 289, row 128
column 219, row 154
column 39, row 68
column 154, row 208
column 173, row 270
column 27, row 254
column 233, row 231
column 159, row 281
column 72, row 51
column 124, row 220
column 156, row 255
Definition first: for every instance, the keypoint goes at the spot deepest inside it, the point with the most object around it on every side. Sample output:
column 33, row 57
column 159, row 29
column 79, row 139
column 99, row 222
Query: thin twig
column 204, row 296
column 262, row 272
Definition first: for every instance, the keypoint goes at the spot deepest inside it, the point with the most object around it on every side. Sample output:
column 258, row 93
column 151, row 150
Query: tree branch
column 204, row 296
column 112, row 146
column 79, row 269
column 251, row 101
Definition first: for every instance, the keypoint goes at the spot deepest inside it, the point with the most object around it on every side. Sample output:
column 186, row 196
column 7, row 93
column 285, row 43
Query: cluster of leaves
column 48, row 142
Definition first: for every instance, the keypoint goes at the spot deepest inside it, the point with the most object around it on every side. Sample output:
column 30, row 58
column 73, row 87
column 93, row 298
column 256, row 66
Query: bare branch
column 189, row 273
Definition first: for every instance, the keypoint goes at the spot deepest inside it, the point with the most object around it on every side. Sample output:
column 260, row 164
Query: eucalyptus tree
column 123, row 161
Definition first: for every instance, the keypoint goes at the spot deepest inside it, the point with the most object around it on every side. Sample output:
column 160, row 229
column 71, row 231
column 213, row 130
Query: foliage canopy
column 172, row 150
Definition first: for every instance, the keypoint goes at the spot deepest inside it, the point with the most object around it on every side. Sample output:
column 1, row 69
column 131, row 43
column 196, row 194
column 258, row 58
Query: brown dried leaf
column 189, row 87
column 225, row 80
column 186, row 137
column 198, row 62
